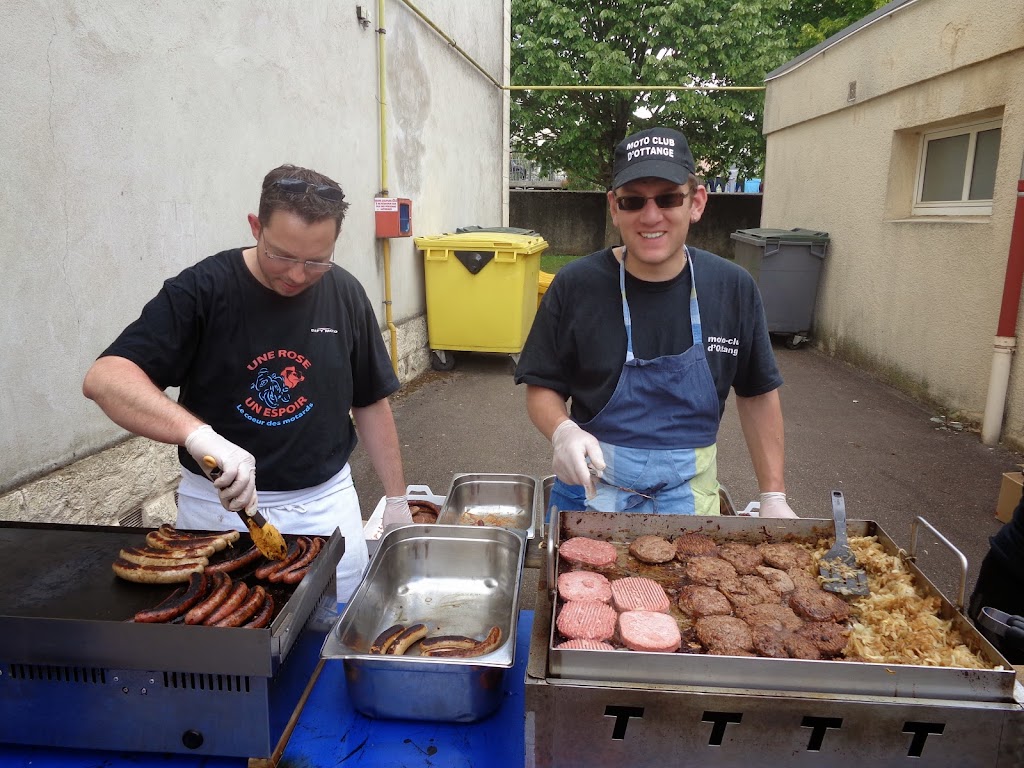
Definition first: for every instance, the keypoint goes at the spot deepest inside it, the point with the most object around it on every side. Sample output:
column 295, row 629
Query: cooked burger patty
column 708, row 571
column 696, row 600
column 803, row 579
column 635, row 593
column 587, row 620
column 695, row 545
column 829, row 637
column 768, row 642
column 779, row 581
column 784, row 556
column 744, row 557
column 586, row 551
column 819, row 605
column 800, row 647
column 584, row 585
column 772, row 615
column 749, row 590
column 652, row 549
column 724, row 632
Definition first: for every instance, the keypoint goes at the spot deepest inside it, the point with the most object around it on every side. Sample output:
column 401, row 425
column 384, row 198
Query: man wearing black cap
column 647, row 339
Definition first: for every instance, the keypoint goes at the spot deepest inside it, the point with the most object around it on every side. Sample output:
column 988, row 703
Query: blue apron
column 657, row 432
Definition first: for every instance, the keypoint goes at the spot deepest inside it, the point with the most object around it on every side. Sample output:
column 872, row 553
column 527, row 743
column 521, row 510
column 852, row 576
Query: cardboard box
column 1009, row 495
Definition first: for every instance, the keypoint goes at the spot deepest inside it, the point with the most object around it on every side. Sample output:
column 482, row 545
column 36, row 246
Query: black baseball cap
column 659, row 153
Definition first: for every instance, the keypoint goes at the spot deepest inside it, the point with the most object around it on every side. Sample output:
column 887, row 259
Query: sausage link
column 246, row 610
column 263, row 616
column 407, row 639
column 233, row 564
column 168, row 532
column 304, row 558
column 234, row 600
column 220, row 588
column 142, row 558
column 191, row 548
column 490, row 643
column 386, row 639
column 295, row 576
column 171, row 608
column 272, row 566
column 156, row 574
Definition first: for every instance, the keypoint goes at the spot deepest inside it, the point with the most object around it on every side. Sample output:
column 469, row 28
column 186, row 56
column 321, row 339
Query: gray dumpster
column 786, row 263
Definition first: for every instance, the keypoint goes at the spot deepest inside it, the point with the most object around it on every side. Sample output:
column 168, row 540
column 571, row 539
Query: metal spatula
column 838, row 568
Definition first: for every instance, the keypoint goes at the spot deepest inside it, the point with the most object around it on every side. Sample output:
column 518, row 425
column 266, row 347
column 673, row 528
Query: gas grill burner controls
column 192, row 739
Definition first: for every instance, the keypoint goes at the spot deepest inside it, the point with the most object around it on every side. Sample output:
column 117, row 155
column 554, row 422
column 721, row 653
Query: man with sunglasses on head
column 647, row 339
column 272, row 347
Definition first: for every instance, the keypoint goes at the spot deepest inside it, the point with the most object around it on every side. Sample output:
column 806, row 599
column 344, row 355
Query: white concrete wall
column 915, row 299
column 136, row 135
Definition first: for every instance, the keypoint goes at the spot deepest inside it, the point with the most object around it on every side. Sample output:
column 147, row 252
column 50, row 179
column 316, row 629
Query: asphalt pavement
column 844, row 431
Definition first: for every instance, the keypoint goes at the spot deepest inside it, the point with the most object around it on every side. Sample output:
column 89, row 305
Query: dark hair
column 310, row 207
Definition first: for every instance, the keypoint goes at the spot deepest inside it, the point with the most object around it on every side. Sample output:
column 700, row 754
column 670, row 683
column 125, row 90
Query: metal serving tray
column 493, row 500
column 458, row 580
column 832, row 677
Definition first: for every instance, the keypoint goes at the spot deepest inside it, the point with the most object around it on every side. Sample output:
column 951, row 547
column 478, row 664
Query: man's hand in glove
column 236, row 484
column 774, row 504
column 396, row 511
column 573, row 446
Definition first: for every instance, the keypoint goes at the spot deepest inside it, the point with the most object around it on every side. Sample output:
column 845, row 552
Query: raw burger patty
column 587, row 620
column 697, row 601
column 652, row 549
column 695, row 545
column 635, row 593
column 649, row 631
column 724, row 633
column 593, row 552
column 584, row 645
column 584, row 585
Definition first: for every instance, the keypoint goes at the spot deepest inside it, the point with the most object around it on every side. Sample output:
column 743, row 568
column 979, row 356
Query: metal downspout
column 1006, row 339
column 386, row 243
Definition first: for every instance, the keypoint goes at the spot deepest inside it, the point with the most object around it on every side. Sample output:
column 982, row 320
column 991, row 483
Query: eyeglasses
column 313, row 267
column 637, row 202
column 300, row 187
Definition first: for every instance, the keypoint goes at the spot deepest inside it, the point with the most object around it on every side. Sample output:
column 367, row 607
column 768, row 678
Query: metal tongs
column 1009, row 629
column 838, row 568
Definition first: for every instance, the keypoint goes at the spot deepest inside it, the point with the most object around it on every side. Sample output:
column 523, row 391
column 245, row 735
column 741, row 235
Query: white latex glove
column 774, row 504
column 573, row 446
column 396, row 511
column 236, row 485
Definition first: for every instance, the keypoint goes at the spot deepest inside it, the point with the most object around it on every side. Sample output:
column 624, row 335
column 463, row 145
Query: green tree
column 639, row 42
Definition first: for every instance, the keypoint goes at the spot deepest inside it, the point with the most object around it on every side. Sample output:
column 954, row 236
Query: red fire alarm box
column 393, row 215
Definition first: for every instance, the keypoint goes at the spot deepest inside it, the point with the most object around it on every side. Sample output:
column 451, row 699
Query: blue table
column 330, row 732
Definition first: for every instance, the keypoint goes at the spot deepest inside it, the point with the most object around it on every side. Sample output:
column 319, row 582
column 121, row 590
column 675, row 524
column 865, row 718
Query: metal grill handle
column 961, row 591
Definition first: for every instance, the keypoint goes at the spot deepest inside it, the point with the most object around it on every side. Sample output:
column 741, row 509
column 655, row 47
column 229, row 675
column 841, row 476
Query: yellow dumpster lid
column 483, row 241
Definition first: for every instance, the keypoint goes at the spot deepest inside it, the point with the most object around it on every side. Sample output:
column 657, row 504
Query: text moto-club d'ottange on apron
column 659, row 428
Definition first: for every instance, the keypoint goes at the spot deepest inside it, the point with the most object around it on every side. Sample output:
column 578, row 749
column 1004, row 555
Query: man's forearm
column 546, row 408
column 375, row 425
column 131, row 400
column 761, row 422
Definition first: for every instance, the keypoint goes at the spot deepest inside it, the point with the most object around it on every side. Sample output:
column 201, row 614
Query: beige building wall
column 136, row 134
column 914, row 299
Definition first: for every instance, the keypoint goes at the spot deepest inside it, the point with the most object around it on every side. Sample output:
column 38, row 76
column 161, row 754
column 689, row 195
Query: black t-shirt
column 577, row 344
column 273, row 374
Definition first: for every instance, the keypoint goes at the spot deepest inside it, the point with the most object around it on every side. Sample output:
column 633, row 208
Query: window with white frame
column 956, row 173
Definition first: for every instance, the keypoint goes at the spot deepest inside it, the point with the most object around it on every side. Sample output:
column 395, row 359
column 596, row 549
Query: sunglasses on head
column 300, row 187
column 637, row 202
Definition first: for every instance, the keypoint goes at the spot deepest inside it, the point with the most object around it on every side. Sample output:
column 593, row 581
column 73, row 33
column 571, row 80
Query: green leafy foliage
column 669, row 43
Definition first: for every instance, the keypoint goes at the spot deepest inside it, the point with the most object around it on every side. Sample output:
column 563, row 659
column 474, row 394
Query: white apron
column 315, row 511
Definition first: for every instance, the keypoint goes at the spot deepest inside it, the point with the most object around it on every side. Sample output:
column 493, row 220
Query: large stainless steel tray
column 458, row 580
column 833, row 677
column 493, row 500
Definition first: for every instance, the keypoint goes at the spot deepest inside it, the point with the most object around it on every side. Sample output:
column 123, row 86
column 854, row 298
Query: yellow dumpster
column 481, row 292
column 543, row 281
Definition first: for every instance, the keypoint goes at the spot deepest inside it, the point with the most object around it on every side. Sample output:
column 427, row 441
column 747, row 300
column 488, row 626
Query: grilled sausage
column 164, row 554
column 246, row 610
column 133, row 555
column 220, row 588
column 263, row 615
column 167, row 531
column 313, row 547
column 305, row 545
column 248, row 557
column 191, row 549
column 172, row 607
column 295, row 576
column 447, row 641
column 234, row 600
column 490, row 643
column 272, row 566
column 386, row 639
column 155, row 574
column 407, row 639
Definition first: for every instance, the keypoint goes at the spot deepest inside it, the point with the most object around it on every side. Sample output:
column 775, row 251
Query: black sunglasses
column 300, row 187
column 637, row 202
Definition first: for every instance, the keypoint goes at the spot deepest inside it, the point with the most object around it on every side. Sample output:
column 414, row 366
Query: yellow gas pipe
column 386, row 243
